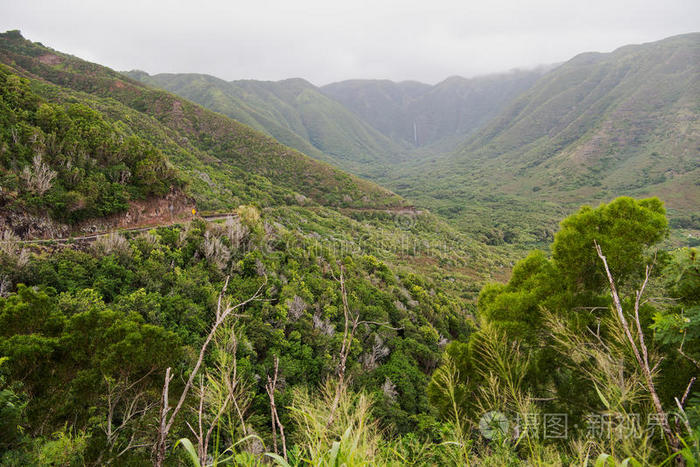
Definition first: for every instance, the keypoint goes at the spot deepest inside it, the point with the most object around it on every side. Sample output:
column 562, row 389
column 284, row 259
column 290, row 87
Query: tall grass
column 458, row 448
column 618, row 384
column 347, row 437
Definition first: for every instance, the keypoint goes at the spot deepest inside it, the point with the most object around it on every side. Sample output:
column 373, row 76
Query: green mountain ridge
column 222, row 164
column 628, row 118
column 202, row 143
column 293, row 111
column 596, row 127
column 438, row 117
column 364, row 126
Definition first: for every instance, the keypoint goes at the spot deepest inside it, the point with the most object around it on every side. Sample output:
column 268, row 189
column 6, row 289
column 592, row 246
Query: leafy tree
column 624, row 229
column 70, row 159
column 570, row 284
column 63, row 350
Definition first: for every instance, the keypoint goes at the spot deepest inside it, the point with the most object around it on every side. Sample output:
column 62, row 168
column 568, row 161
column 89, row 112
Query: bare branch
column 680, row 350
column 38, row 178
column 687, row 390
column 348, row 334
column 270, row 388
column 642, row 359
column 684, row 418
column 638, row 296
column 131, row 403
column 223, row 311
column 382, row 324
column 653, row 370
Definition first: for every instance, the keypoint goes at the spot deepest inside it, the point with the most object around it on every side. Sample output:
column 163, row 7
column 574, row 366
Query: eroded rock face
column 174, row 207
column 143, row 213
column 50, row 59
column 30, row 226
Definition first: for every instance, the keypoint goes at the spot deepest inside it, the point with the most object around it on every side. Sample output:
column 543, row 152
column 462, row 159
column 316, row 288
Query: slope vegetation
column 216, row 163
column 293, row 111
column 224, row 161
column 440, row 116
column 596, row 127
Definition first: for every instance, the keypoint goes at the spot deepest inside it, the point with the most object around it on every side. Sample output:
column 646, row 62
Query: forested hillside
column 69, row 160
column 226, row 161
column 318, row 318
column 596, row 127
column 82, row 143
column 219, row 163
column 294, row 112
column 317, row 357
column 439, row 116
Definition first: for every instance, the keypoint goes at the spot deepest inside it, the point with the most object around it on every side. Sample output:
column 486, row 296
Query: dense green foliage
column 624, row 228
column 82, row 326
column 224, row 162
column 87, row 321
column 294, row 112
column 68, row 159
column 549, row 303
column 594, row 128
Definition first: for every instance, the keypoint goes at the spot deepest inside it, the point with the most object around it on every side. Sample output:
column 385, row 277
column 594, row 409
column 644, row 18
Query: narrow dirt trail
column 92, row 237
column 406, row 211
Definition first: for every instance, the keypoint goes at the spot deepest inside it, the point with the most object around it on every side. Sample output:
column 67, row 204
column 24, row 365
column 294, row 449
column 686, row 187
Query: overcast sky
column 325, row 40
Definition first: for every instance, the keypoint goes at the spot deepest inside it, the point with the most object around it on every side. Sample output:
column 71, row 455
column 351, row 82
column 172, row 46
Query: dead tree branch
column 639, row 348
column 126, row 402
column 167, row 415
column 349, row 328
column 692, row 360
column 276, row 423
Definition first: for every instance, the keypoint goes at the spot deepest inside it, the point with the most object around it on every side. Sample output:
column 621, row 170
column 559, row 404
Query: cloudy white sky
column 327, row 40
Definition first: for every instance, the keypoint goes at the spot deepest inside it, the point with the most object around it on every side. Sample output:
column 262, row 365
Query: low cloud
column 325, row 41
